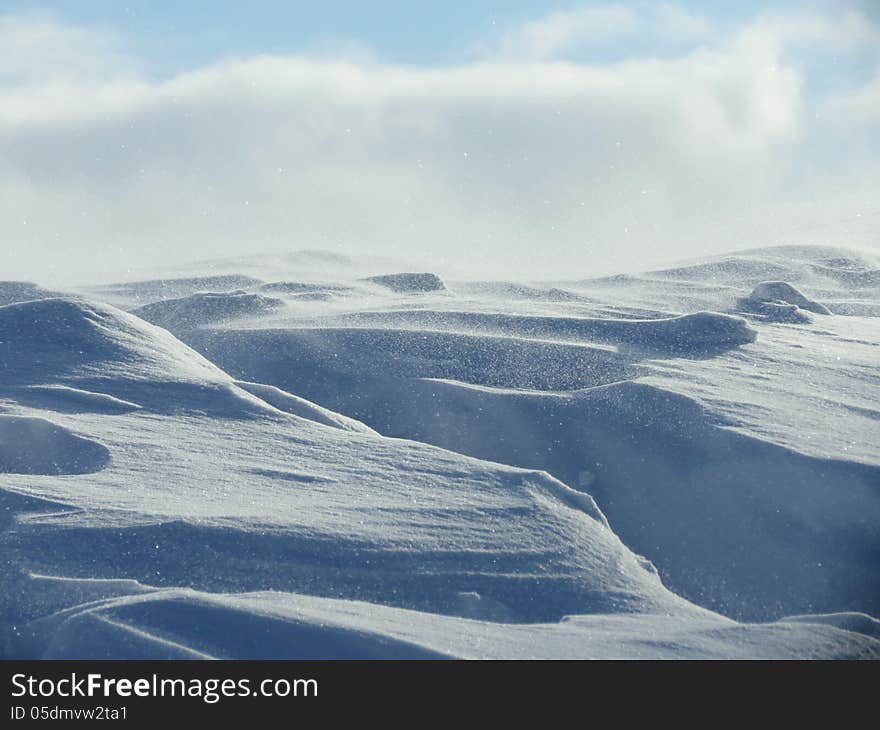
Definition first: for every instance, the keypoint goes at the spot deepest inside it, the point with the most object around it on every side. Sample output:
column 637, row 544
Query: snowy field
column 311, row 456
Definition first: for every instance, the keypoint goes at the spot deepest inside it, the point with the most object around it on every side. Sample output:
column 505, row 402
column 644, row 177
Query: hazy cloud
column 594, row 25
column 562, row 29
column 511, row 164
column 860, row 106
column 37, row 48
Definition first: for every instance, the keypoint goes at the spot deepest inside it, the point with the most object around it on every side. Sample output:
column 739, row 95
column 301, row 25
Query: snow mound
column 689, row 332
column 851, row 275
column 12, row 292
column 225, row 525
column 288, row 403
column 511, row 291
column 172, row 288
column 295, row 291
column 37, row 446
column 141, row 622
column 73, row 356
column 363, row 518
column 410, row 282
column 92, row 348
column 736, row 524
column 733, row 270
column 855, row 308
column 301, row 265
column 804, row 265
column 206, row 308
column 773, row 311
column 859, row 623
column 782, row 292
column 685, row 334
column 301, row 288
column 744, row 526
column 821, row 273
column 354, row 367
column 72, row 400
column 66, row 339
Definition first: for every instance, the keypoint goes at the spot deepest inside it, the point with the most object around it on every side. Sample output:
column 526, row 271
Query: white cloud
column 529, row 167
column 563, row 32
column 854, row 107
column 674, row 21
column 559, row 30
column 844, row 30
column 38, row 48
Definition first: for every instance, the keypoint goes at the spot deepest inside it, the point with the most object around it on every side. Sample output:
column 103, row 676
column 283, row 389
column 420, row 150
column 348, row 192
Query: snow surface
column 780, row 291
column 289, row 460
column 200, row 309
column 410, row 282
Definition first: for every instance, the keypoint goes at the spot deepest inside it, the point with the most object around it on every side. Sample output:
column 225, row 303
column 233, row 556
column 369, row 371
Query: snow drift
column 780, row 291
column 641, row 436
column 281, row 502
column 206, row 308
column 71, row 355
column 408, row 283
column 37, row 446
column 12, row 292
column 695, row 333
column 145, row 292
column 744, row 526
column 132, row 621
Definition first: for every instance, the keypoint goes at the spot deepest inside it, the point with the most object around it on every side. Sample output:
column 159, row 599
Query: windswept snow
column 773, row 310
column 200, row 309
column 409, row 282
column 153, row 290
column 12, row 292
column 616, row 467
column 780, row 291
column 67, row 340
column 73, row 400
column 134, row 621
column 688, row 333
column 71, row 355
column 297, row 406
column 37, row 446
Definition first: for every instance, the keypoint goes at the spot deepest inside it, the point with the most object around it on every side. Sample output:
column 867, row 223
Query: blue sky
column 528, row 137
column 182, row 35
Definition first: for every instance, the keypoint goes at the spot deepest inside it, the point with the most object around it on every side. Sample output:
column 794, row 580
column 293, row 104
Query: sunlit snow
column 291, row 457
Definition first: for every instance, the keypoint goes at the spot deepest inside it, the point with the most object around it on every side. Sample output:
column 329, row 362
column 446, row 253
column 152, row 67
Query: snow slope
column 206, row 307
column 124, row 619
column 735, row 522
column 228, row 493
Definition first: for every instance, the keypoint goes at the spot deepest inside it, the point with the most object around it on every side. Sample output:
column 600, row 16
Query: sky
column 517, row 139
